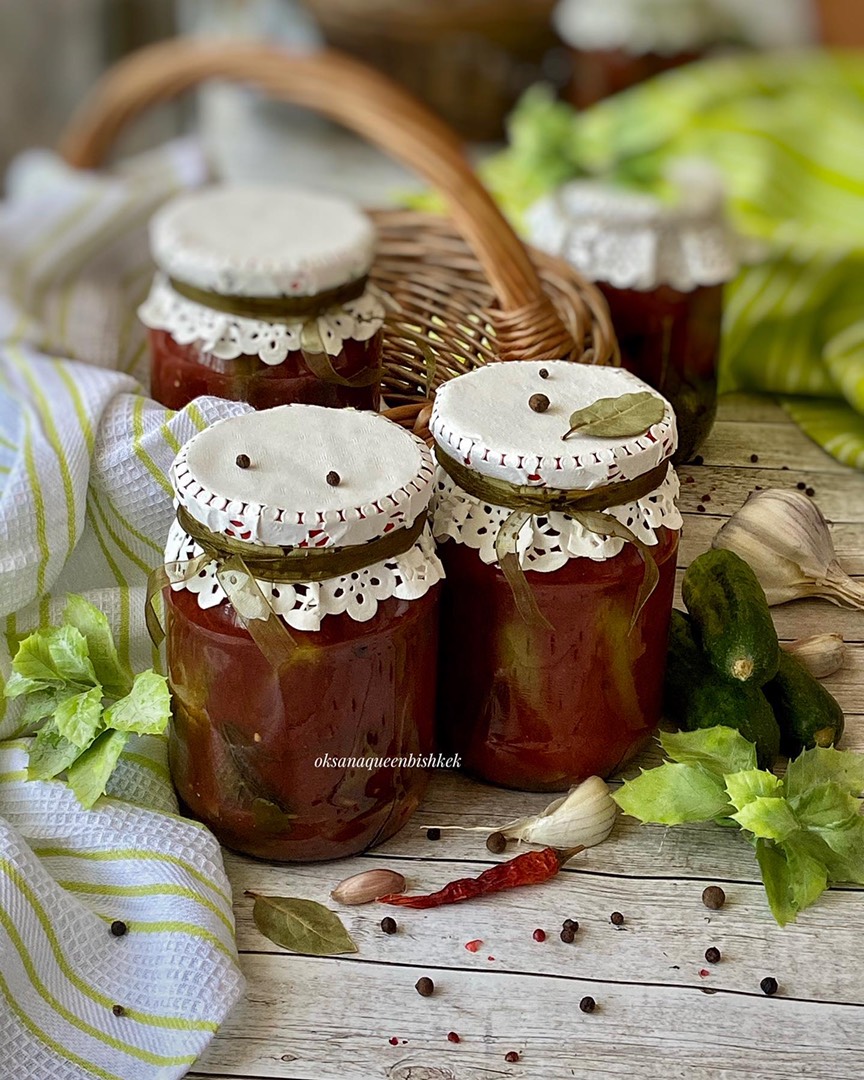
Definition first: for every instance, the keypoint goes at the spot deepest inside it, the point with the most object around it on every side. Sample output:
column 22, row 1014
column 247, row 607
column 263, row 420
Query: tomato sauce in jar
column 661, row 268
column 303, row 705
column 541, row 701
column 262, row 295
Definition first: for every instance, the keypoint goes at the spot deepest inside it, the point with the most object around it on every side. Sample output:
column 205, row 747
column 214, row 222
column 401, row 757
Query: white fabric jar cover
column 637, row 27
column 384, row 480
column 261, row 242
column 483, row 421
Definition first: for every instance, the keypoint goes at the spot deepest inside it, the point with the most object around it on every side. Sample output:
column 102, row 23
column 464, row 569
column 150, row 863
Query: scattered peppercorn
column 754, row 458
column 118, row 1010
column 511, row 1056
column 810, row 491
column 453, row 1037
column 616, row 918
column 706, row 498
column 539, row 935
column 388, row 925
column 698, row 460
column 425, row 987
column 571, row 924
column 712, row 955
column 394, row 1041
column 713, row 897
column 118, row 928
column 538, row 402
column 587, row 1004
column 543, row 373
column 568, row 936
column 433, row 834
column 801, row 485
column 704, row 972
column 769, row 986
column 242, row 461
column 785, row 468
column 496, row 842
column 333, row 478
column 701, row 508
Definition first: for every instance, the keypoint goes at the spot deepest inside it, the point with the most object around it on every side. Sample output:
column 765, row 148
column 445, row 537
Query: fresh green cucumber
column 731, row 616
column 695, row 696
column 807, row 714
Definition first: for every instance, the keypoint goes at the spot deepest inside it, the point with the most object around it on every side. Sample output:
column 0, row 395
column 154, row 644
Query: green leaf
column 39, row 705
column 93, row 625
column 619, row 417
column 50, row 754
column 775, row 878
column 808, row 875
column 825, row 765
column 720, row 750
column 50, row 658
column 303, row 926
column 744, row 787
column 89, row 775
column 846, row 843
column 672, row 794
column 825, row 806
column 145, row 710
column 771, row 818
column 79, row 717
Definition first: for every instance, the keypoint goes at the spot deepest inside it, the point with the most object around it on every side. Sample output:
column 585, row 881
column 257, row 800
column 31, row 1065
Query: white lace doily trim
column 644, row 26
column 304, row 606
column 547, row 542
column 228, row 337
column 631, row 240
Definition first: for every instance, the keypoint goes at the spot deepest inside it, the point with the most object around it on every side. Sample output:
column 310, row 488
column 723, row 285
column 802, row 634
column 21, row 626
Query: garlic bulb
column 785, row 539
column 821, row 654
column 583, row 817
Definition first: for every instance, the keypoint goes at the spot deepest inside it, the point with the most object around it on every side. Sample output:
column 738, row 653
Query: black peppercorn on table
column 520, row 1004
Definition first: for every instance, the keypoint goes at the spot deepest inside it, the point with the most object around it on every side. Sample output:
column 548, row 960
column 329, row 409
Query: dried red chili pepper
column 530, row 868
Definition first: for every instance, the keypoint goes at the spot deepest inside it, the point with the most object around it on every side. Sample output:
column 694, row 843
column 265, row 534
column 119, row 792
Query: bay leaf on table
column 618, row 417
column 303, row 926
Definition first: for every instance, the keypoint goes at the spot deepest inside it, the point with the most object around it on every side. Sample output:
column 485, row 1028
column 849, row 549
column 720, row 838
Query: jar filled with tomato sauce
column 616, row 44
column 302, row 630
column 661, row 267
column 262, row 295
column 560, row 559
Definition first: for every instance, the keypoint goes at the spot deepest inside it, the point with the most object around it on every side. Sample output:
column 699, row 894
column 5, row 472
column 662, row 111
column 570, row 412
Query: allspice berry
column 425, row 987
column 712, row 955
column 333, row 478
column 769, row 986
column 713, row 897
column 616, row 918
column 587, row 1004
column 496, row 842
column 118, row 928
column 242, row 461
column 539, row 402
column 118, row 1010
column 388, row 925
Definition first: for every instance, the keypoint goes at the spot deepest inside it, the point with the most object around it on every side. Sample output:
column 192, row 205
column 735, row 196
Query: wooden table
column 661, row 1010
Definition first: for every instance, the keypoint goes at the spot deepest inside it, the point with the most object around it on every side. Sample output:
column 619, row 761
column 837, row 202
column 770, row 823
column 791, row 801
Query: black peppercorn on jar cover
column 301, row 622
column 559, row 545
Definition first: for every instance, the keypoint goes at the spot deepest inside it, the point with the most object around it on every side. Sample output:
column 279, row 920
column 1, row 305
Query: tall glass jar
column 262, row 295
column 560, row 558
column 661, row 268
column 616, row 44
column 302, row 630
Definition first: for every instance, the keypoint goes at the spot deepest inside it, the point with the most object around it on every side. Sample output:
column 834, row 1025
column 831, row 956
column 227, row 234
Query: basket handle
column 351, row 93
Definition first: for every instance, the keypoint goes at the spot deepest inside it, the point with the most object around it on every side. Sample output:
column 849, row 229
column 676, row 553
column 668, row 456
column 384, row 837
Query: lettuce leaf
column 93, row 625
column 49, row 659
column 775, row 878
column 673, row 794
column 79, row 718
column 145, row 709
column 50, row 754
column 744, row 787
column 89, row 775
column 720, row 750
column 825, row 765
column 767, row 817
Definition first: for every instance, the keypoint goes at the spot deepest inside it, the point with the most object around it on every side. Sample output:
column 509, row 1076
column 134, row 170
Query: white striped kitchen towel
column 85, row 505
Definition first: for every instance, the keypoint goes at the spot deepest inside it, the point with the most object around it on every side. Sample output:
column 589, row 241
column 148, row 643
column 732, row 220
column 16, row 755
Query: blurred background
column 470, row 59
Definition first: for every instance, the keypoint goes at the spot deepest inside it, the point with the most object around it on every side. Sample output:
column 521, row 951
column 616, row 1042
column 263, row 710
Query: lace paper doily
column 644, row 26
column 547, row 542
column 304, row 606
column 227, row 336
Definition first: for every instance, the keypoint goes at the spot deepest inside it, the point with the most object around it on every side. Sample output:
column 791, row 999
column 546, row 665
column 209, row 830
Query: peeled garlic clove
column 821, row 654
column 584, row 817
column 368, row 886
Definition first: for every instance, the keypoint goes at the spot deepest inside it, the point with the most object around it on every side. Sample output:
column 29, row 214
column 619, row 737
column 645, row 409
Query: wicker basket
column 470, row 60
column 468, row 290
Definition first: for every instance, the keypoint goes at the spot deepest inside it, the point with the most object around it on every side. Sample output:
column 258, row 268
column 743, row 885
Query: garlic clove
column 368, row 886
column 785, row 538
column 821, row 654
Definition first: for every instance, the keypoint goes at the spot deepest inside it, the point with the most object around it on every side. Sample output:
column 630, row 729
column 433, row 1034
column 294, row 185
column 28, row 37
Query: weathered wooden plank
column 700, row 529
column 667, row 929
column 753, row 409
column 840, row 495
column 313, row 1019
column 732, row 442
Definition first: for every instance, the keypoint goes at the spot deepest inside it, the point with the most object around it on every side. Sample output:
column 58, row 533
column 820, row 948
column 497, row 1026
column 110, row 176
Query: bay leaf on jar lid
column 618, row 417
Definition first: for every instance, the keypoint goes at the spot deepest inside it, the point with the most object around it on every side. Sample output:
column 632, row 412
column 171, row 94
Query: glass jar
column 616, row 44
column 302, row 630
column 661, row 268
column 262, row 295
column 539, row 700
